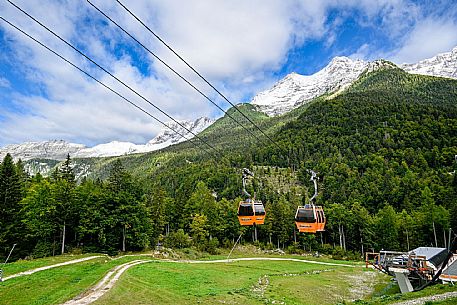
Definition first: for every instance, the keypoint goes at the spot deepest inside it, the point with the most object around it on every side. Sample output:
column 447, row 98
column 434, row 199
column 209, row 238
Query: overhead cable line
column 196, row 72
column 101, row 83
column 172, row 69
column 113, row 76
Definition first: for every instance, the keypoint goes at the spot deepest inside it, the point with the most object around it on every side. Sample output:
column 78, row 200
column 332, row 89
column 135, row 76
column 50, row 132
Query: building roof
column 452, row 269
column 436, row 256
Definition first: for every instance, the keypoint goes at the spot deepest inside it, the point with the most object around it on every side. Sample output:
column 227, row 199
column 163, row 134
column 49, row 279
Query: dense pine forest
column 385, row 150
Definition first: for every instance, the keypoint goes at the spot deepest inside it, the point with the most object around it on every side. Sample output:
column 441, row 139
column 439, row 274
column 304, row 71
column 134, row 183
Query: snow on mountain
column 111, row 149
column 166, row 138
column 291, row 92
column 55, row 150
column 295, row 89
column 58, row 149
column 443, row 64
column 169, row 137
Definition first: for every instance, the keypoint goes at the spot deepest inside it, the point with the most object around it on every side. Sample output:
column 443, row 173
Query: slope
column 225, row 135
column 388, row 140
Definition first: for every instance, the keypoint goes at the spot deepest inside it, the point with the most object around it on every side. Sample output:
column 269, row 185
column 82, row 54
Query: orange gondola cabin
column 310, row 218
column 251, row 212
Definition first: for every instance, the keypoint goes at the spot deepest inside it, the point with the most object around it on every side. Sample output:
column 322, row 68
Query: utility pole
column 3, row 267
column 449, row 238
column 407, row 239
column 434, row 233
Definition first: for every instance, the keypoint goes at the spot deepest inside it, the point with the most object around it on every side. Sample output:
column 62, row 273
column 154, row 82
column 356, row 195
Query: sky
column 242, row 47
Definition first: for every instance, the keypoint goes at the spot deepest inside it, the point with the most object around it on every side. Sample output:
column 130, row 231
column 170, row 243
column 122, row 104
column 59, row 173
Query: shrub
column 178, row 239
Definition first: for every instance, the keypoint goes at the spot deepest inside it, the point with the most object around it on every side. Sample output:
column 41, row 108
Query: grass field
column 246, row 282
column 23, row 265
column 57, row 285
column 237, row 282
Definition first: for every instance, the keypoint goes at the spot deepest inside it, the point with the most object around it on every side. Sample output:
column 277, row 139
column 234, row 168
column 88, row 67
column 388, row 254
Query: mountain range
column 291, row 92
column 58, row 149
column 295, row 90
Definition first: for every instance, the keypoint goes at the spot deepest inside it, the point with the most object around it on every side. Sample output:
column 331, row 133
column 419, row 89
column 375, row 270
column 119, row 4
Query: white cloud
column 229, row 42
column 429, row 37
column 4, row 82
column 236, row 44
column 363, row 52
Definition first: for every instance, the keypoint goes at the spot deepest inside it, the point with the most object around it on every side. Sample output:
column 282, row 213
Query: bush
column 75, row 251
column 42, row 249
column 269, row 246
column 294, row 248
column 177, row 240
column 338, row 253
column 227, row 243
column 353, row 255
column 211, row 245
column 326, row 249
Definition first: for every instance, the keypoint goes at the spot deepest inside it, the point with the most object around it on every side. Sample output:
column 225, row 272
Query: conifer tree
column 157, row 203
column 66, row 171
column 128, row 218
column 40, row 207
column 10, row 196
column 63, row 190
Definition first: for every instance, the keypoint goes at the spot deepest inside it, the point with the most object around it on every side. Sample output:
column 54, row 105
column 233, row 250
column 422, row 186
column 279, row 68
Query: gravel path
column 423, row 300
column 28, row 272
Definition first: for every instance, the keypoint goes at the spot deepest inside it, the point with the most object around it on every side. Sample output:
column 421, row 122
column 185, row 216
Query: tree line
column 384, row 150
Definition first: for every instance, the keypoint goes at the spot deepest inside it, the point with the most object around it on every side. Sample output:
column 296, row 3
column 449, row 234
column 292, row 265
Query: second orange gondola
column 311, row 218
column 251, row 212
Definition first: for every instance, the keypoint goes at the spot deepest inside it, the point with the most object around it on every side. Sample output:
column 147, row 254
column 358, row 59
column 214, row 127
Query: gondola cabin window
column 245, row 209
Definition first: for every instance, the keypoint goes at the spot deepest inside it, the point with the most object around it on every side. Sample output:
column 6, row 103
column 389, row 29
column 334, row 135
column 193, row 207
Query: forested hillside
column 384, row 150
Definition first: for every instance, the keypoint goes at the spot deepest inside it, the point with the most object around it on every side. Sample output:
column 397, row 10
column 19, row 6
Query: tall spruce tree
column 66, row 171
column 129, row 218
column 64, row 194
column 10, row 216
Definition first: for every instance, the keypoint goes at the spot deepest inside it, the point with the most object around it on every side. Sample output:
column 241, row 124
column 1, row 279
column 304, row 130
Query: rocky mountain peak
column 295, row 90
column 443, row 65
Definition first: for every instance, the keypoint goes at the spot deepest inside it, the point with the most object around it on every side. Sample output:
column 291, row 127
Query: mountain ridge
column 58, row 149
column 289, row 93
column 295, row 89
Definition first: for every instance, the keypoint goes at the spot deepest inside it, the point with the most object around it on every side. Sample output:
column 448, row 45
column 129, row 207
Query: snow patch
column 58, row 149
column 443, row 65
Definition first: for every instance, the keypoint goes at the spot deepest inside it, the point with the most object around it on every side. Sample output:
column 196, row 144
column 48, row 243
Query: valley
column 382, row 140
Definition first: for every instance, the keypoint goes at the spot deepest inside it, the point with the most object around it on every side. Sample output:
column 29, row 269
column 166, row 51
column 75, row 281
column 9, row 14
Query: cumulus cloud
column 363, row 52
column 430, row 37
column 229, row 42
column 238, row 45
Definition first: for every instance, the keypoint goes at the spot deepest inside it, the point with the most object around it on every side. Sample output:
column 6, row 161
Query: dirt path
column 432, row 298
column 105, row 284
column 112, row 276
column 31, row 271
column 262, row 259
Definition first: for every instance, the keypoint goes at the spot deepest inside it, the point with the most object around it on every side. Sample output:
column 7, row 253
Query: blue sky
column 243, row 47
